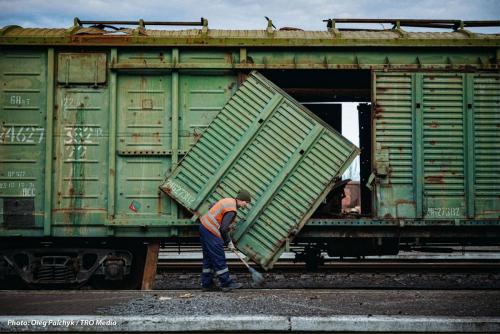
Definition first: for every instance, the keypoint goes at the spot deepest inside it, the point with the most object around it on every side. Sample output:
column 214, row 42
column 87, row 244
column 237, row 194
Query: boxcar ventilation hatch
column 264, row 141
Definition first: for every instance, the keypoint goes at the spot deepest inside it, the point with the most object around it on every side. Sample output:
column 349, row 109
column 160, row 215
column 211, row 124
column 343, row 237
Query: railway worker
column 214, row 235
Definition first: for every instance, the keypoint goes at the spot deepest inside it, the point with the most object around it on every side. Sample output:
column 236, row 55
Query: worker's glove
column 231, row 247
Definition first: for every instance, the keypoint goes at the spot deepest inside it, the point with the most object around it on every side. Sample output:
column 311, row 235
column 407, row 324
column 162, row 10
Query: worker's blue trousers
column 214, row 259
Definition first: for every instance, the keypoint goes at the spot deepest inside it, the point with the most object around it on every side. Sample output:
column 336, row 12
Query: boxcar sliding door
column 159, row 117
column 436, row 145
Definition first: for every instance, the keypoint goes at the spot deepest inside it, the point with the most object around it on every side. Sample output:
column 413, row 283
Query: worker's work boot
column 231, row 286
column 208, row 288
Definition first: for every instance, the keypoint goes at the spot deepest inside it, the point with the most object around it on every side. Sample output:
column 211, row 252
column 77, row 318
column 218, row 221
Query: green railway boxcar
column 94, row 119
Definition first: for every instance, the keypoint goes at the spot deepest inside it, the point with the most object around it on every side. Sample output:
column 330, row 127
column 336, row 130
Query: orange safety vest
column 213, row 218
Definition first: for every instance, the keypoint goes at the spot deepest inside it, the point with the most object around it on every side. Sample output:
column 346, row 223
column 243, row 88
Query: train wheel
column 130, row 282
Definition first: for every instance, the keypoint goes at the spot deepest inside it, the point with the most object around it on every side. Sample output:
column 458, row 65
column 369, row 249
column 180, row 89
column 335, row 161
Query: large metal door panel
column 144, row 147
column 81, row 135
column 23, row 111
column 201, row 96
column 393, row 140
column 443, row 143
column 436, row 145
column 266, row 142
column 486, row 123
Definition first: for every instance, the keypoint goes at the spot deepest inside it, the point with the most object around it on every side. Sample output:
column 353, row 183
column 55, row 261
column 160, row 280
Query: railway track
column 349, row 265
column 459, row 271
column 478, row 260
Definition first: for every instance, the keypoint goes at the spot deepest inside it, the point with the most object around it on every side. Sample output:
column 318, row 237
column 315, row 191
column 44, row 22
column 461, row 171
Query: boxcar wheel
column 130, row 282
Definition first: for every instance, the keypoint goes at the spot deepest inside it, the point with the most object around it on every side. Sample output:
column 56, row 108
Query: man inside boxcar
column 214, row 235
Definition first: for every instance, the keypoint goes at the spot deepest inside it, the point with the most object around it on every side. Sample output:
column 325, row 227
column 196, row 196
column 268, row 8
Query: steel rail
column 353, row 265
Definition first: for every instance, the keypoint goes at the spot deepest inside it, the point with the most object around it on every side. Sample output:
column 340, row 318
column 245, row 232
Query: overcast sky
column 245, row 14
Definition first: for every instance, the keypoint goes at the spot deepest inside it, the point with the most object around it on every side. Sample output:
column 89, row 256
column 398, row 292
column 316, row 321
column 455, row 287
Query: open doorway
column 341, row 98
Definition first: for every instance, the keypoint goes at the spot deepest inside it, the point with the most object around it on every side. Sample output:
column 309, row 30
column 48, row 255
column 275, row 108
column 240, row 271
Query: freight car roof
column 15, row 35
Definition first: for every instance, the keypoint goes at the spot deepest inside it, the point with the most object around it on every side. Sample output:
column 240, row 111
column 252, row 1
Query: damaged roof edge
column 15, row 35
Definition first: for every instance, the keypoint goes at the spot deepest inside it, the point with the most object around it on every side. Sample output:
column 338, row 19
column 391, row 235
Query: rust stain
column 77, row 209
column 112, row 172
column 434, row 179
column 196, row 135
column 434, row 125
column 85, row 39
column 403, row 201
column 378, row 110
column 432, row 142
column 166, row 190
column 158, row 204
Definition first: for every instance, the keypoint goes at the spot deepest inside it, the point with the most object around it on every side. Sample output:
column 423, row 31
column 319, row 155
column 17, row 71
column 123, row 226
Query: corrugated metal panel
column 144, row 139
column 144, row 126
column 393, row 136
column 442, row 35
column 80, row 155
column 202, row 97
column 23, row 110
column 266, row 142
column 487, row 144
column 81, row 67
column 443, row 147
column 437, row 145
column 35, row 32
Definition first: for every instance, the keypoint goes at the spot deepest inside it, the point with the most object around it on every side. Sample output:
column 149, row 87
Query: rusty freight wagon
column 112, row 139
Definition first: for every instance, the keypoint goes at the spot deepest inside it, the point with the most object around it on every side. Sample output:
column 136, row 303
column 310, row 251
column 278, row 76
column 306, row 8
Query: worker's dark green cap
column 244, row 195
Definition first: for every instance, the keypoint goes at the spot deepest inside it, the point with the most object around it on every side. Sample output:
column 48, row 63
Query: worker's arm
column 224, row 226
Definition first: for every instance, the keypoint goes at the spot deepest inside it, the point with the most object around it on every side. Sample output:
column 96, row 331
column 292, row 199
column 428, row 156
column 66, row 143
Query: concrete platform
column 251, row 311
column 278, row 324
